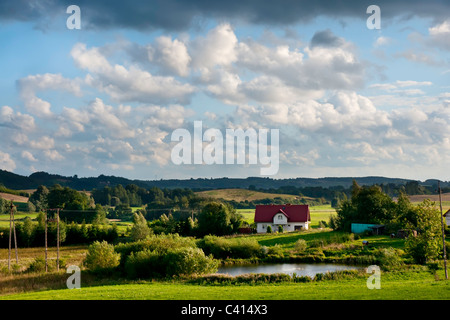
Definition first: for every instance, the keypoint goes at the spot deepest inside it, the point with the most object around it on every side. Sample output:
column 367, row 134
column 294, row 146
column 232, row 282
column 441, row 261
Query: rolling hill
column 243, row 194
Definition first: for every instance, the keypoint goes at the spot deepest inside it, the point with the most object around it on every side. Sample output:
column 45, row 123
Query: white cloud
column 218, row 48
column 32, row 84
column 28, row 156
column 6, row 163
column 44, row 143
column 128, row 84
column 382, row 41
column 17, row 120
column 171, row 54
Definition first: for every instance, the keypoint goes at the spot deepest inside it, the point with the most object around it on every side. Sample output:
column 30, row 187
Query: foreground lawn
column 411, row 285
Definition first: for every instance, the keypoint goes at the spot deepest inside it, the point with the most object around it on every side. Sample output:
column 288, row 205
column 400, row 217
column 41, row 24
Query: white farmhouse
column 290, row 217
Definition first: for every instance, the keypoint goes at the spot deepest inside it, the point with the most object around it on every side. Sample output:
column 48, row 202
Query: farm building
column 290, row 217
column 363, row 227
column 447, row 217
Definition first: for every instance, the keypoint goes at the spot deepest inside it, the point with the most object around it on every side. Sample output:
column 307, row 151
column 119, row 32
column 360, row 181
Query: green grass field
column 4, row 218
column 415, row 285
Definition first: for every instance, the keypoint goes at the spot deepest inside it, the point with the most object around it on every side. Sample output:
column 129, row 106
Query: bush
column 38, row 265
column 179, row 261
column 160, row 243
column 389, row 257
column 300, row 245
column 269, row 229
column 222, row 248
column 101, row 257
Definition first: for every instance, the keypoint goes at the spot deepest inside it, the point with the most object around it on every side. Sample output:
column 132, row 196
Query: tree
column 218, row 219
column 140, row 229
column 367, row 205
column 67, row 198
column 39, row 198
column 426, row 246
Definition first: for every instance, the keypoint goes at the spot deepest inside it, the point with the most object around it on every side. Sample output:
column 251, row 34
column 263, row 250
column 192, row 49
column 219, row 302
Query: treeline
column 31, row 234
column 336, row 194
column 135, row 196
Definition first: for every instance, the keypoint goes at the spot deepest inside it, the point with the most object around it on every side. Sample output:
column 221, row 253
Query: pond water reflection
column 300, row 269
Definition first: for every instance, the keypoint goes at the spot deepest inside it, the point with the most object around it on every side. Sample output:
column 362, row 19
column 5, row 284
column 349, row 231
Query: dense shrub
column 300, row 245
column 178, row 261
column 389, row 257
column 335, row 239
column 38, row 265
column 101, row 257
column 160, row 242
column 222, row 248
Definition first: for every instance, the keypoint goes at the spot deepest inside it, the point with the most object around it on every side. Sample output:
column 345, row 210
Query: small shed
column 363, row 227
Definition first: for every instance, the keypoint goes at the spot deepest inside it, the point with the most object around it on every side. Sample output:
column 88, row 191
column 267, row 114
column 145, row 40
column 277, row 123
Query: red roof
column 293, row 212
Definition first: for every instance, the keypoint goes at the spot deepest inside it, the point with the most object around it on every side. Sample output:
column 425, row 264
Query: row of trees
column 215, row 218
column 31, row 234
column 135, row 196
column 61, row 197
column 337, row 194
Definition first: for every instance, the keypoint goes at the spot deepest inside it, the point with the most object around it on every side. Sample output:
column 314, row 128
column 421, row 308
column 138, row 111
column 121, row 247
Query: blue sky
column 348, row 100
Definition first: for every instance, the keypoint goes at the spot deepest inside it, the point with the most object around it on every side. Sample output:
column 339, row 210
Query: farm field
column 13, row 197
column 244, row 194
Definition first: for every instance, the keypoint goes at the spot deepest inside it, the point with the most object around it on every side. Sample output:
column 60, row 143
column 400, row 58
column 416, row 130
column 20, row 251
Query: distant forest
column 390, row 185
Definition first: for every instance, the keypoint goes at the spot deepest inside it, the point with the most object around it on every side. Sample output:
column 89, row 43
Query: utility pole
column 46, row 263
column 57, row 239
column 443, row 233
column 12, row 226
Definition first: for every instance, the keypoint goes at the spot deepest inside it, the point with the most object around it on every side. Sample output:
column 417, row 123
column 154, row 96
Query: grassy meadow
column 411, row 285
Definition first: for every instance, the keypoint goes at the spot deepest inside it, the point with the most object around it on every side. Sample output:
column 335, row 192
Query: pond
column 300, row 269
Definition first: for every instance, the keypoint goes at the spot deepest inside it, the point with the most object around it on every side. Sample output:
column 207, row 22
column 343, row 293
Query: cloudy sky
column 104, row 99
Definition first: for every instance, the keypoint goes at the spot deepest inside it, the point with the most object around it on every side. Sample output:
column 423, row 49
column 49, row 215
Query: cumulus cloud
column 30, row 85
column 16, row 120
column 440, row 35
column 6, row 163
column 171, row 55
column 132, row 84
column 28, row 156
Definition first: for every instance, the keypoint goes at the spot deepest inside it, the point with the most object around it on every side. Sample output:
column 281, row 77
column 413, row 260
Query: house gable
column 292, row 213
